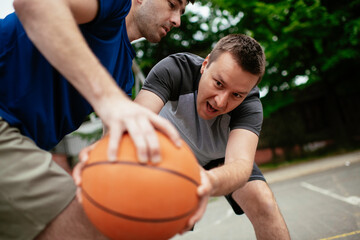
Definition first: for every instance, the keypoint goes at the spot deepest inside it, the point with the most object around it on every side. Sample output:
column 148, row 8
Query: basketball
column 129, row 200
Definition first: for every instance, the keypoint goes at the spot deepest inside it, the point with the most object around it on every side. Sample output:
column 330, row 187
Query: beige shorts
column 33, row 188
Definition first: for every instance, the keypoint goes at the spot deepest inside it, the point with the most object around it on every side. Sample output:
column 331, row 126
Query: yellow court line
column 342, row 235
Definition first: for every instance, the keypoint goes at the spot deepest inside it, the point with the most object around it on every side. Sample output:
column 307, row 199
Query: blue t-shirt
column 38, row 100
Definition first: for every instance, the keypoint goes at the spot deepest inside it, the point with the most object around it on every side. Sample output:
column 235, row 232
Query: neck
column 131, row 27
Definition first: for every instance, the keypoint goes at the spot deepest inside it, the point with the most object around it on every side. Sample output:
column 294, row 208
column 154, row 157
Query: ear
column 204, row 64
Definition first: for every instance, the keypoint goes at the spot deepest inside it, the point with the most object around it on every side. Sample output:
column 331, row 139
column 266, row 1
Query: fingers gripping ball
column 128, row 200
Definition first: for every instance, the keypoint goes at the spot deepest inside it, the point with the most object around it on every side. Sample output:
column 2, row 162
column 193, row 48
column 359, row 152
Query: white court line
column 229, row 212
column 227, row 215
column 353, row 200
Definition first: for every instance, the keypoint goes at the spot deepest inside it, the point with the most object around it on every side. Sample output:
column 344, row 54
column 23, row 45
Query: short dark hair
column 246, row 51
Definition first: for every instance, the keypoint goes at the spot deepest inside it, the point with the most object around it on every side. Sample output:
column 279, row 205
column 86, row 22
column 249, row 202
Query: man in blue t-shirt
column 214, row 103
column 60, row 61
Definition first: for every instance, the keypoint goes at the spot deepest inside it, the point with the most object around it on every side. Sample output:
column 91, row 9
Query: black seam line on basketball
column 139, row 219
column 143, row 165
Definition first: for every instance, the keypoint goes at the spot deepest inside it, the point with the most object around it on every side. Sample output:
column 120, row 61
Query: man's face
column 156, row 17
column 223, row 86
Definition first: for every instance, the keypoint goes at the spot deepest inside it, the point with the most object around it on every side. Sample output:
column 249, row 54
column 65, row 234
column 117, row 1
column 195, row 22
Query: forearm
column 52, row 27
column 229, row 177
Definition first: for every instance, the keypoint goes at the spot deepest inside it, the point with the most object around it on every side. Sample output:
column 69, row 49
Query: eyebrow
column 225, row 84
column 181, row 3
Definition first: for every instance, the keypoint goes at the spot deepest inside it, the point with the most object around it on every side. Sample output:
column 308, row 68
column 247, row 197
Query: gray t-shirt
column 175, row 80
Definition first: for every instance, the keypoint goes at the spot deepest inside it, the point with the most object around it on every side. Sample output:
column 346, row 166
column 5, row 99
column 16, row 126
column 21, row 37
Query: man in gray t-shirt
column 214, row 103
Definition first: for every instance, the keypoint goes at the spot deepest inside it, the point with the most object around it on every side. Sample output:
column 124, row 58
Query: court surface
column 323, row 204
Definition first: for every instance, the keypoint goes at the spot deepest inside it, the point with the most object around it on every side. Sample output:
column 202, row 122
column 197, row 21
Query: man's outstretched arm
column 239, row 159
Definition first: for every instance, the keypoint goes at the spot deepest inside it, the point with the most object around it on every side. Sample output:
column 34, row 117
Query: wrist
column 214, row 181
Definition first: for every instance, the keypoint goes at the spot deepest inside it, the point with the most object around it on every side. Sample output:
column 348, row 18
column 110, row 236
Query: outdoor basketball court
column 323, row 205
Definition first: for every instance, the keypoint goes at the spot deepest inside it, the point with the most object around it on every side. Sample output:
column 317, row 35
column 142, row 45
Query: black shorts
column 256, row 174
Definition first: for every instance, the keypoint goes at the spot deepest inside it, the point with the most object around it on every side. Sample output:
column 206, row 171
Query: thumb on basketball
column 203, row 191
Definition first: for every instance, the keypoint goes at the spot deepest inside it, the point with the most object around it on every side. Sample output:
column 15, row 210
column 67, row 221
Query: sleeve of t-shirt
column 164, row 79
column 110, row 16
column 249, row 114
column 113, row 10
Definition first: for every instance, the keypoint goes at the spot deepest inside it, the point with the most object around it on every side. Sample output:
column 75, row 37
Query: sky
column 6, row 7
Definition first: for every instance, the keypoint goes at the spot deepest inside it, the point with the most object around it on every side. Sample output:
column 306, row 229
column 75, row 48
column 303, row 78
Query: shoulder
column 179, row 69
column 175, row 75
column 184, row 70
column 254, row 94
column 251, row 103
column 184, row 63
column 112, row 11
column 249, row 114
column 187, row 58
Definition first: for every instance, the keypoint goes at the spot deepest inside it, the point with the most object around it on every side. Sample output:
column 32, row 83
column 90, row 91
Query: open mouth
column 166, row 30
column 210, row 108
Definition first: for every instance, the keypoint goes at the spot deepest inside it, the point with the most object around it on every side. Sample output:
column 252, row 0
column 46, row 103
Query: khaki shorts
column 33, row 188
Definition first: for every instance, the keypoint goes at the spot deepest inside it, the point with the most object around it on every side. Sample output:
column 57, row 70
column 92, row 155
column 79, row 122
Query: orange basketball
column 128, row 200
